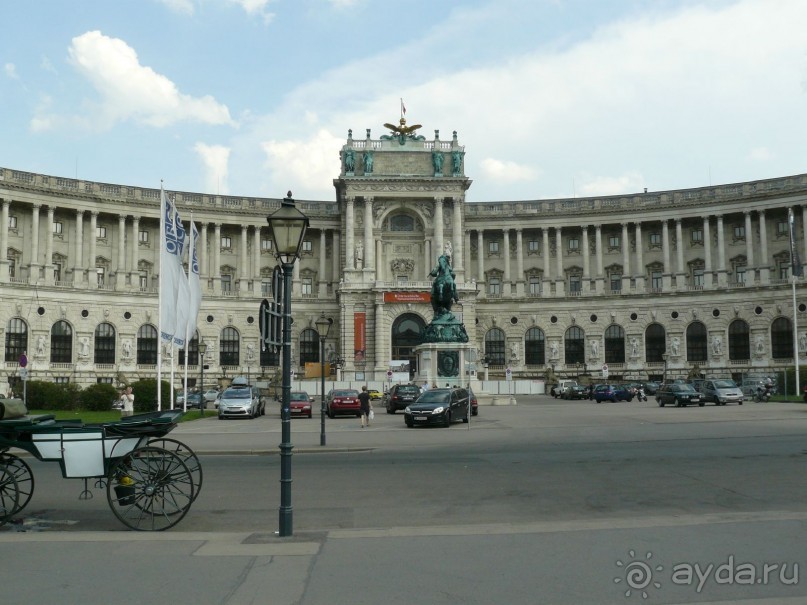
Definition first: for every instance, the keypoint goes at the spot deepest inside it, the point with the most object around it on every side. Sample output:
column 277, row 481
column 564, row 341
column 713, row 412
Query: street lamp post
column 323, row 326
column 287, row 226
column 664, row 357
column 202, row 350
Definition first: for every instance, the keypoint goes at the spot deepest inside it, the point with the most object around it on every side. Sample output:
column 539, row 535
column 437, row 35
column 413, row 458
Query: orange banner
column 359, row 336
column 409, row 297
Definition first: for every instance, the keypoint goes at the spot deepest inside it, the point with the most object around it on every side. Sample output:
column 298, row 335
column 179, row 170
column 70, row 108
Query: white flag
column 194, row 282
column 172, row 242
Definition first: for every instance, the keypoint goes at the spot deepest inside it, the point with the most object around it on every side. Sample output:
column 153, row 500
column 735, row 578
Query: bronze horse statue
column 444, row 289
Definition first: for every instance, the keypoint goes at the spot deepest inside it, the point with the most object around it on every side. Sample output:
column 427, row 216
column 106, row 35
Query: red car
column 300, row 404
column 343, row 401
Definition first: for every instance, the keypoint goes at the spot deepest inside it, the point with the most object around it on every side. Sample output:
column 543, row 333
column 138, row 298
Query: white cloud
column 506, row 171
column 130, row 91
column 760, row 154
column 610, row 185
column 46, row 65
column 11, row 71
column 216, row 160
column 309, row 163
column 256, row 8
column 185, row 7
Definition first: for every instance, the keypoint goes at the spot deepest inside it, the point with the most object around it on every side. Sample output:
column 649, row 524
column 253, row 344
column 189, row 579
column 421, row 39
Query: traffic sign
column 23, row 374
column 508, row 373
column 605, row 370
column 389, row 374
column 23, row 360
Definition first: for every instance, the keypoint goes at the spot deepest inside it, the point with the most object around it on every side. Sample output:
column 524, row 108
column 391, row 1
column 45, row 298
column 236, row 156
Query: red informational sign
column 408, row 297
column 359, row 336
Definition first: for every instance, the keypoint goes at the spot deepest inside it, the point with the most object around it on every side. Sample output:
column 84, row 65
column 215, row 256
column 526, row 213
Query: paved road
column 540, row 502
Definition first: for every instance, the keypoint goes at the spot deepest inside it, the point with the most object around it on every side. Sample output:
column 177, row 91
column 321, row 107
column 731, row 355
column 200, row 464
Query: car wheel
column 409, row 423
column 330, row 413
column 630, row 399
column 476, row 412
column 465, row 419
column 310, row 414
column 448, row 419
column 701, row 404
column 741, row 402
column 660, row 403
column 390, row 410
column 678, row 403
column 221, row 417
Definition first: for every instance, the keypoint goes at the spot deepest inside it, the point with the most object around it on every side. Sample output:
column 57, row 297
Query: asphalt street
column 542, row 502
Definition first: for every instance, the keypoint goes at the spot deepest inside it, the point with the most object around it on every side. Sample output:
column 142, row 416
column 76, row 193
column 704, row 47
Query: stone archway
column 407, row 333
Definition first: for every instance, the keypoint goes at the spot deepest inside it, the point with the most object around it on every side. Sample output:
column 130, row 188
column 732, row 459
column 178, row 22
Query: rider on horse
column 444, row 289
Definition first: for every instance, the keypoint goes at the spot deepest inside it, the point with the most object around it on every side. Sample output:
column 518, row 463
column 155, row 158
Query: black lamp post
column 664, row 357
column 288, row 226
column 323, row 326
column 202, row 350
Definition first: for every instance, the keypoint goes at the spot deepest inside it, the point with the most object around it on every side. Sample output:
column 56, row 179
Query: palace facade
column 676, row 281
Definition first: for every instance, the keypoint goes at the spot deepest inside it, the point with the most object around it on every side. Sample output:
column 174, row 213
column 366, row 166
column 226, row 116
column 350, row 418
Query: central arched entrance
column 407, row 333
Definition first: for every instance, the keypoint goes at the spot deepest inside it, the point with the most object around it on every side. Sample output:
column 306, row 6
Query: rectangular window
column 781, row 228
column 656, row 282
column 739, row 232
column 143, row 237
column 613, row 241
column 104, row 380
column 493, row 247
column 226, row 283
column 57, row 272
column 307, row 285
column 266, row 245
column 574, row 243
column 99, row 276
column 144, row 282
column 697, row 236
column 655, row 239
column 307, row 246
column 494, row 286
column 266, row 287
column 698, row 278
column 575, row 284
column 12, row 222
column 100, row 232
column 616, row 282
column 403, row 279
column 740, row 275
column 535, row 285
column 61, row 379
column 226, row 243
column 57, row 228
column 532, row 245
column 784, row 271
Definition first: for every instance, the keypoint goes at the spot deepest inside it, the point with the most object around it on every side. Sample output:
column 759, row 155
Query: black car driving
column 438, row 406
column 399, row 396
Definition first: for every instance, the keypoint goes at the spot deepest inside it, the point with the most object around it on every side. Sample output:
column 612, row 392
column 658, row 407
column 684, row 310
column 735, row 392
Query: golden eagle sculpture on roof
column 403, row 132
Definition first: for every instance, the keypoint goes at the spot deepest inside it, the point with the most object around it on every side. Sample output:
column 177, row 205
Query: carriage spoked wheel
column 25, row 478
column 9, row 494
column 188, row 457
column 150, row 489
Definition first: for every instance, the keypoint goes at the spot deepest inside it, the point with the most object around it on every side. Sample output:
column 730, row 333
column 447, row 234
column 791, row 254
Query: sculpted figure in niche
column 634, row 347
column 514, row 351
column 127, row 348
column 40, row 346
column 595, row 348
column 675, row 346
column 760, row 346
column 803, row 342
column 350, row 160
column 368, row 162
column 717, row 345
column 437, row 160
column 359, row 253
column 85, row 347
column 553, row 348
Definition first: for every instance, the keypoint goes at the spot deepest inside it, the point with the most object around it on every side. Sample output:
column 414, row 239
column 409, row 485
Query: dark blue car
column 612, row 392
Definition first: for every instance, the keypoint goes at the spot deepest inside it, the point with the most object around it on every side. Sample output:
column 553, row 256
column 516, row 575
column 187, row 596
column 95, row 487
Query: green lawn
column 108, row 416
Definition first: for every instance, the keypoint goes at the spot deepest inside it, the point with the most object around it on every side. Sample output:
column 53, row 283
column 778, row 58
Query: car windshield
column 409, row 389
column 684, row 388
column 236, row 394
column 345, row 393
column 434, row 396
column 298, row 397
column 725, row 384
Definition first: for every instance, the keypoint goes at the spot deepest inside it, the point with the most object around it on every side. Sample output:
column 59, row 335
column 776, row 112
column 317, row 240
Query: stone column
column 92, row 273
column 680, row 277
column 380, row 269
column 764, row 267
column 519, row 264
column 480, row 248
column 546, row 281
column 256, row 261
column 380, row 355
column 322, row 287
column 750, row 276
column 722, row 278
column 204, row 261
column 560, row 281
column 458, row 261
column 586, row 260
column 350, row 248
column 598, row 255
column 4, row 264
column 78, row 262
column 438, row 227
column 337, row 267
column 369, row 245
column 134, row 279
column 639, row 271
column 49, row 246
column 803, row 228
column 244, row 259
column 34, row 264
column 428, row 255
column 665, row 244
column 625, row 259
column 120, row 269
column 215, row 271
column 707, row 253
column 467, row 249
column 506, row 244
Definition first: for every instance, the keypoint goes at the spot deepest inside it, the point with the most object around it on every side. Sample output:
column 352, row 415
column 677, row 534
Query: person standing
column 366, row 408
column 128, row 403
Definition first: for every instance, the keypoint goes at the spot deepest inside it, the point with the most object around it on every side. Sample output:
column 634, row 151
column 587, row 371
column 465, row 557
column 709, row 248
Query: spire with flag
column 403, row 108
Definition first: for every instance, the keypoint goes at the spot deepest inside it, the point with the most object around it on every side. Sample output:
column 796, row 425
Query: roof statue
column 403, row 132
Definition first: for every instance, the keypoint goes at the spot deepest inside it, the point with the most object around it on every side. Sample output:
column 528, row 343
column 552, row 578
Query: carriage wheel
column 150, row 489
column 188, row 457
column 25, row 478
column 9, row 494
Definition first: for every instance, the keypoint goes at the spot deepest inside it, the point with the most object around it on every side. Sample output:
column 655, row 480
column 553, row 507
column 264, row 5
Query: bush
column 145, row 392
column 98, row 397
column 42, row 395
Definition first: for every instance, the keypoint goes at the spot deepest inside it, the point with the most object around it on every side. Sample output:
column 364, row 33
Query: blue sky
column 552, row 98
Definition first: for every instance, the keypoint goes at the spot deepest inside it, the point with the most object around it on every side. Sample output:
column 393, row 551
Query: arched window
column 309, row 347
column 193, row 352
column 655, row 343
column 407, row 333
column 230, row 353
column 147, row 345
column 16, row 339
column 401, row 222
column 781, row 339
column 494, row 346
column 696, row 342
column 535, row 347
column 104, row 343
column 739, row 341
column 61, row 342
column 614, row 344
column 574, row 343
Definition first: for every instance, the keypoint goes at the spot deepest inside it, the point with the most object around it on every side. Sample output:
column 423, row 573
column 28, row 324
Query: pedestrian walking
column 127, row 409
column 366, row 407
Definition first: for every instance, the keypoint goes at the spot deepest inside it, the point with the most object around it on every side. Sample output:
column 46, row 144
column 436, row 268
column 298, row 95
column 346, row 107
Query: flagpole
column 796, row 271
column 795, row 336
column 160, row 299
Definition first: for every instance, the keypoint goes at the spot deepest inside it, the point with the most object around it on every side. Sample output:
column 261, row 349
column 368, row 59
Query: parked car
column 721, row 392
column 240, row 400
column 342, row 401
column 574, row 391
column 651, row 387
column 194, row 400
column 474, row 403
column 399, row 396
column 211, row 395
column 300, row 404
column 556, row 389
column 612, row 392
column 438, row 406
column 679, row 394
column 375, row 394
column 697, row 383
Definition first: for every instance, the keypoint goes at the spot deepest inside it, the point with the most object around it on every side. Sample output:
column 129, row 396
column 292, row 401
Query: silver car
column 721, row 392
column 240, row 401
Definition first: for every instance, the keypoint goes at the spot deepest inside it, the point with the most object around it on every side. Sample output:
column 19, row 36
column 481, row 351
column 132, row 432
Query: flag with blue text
column 796, row 268
column 172, row 276
column 194, row 281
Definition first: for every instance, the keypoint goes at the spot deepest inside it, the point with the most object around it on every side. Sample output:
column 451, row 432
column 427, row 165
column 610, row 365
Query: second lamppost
column 288, row 226
column 202, row 350
column 323, row 326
